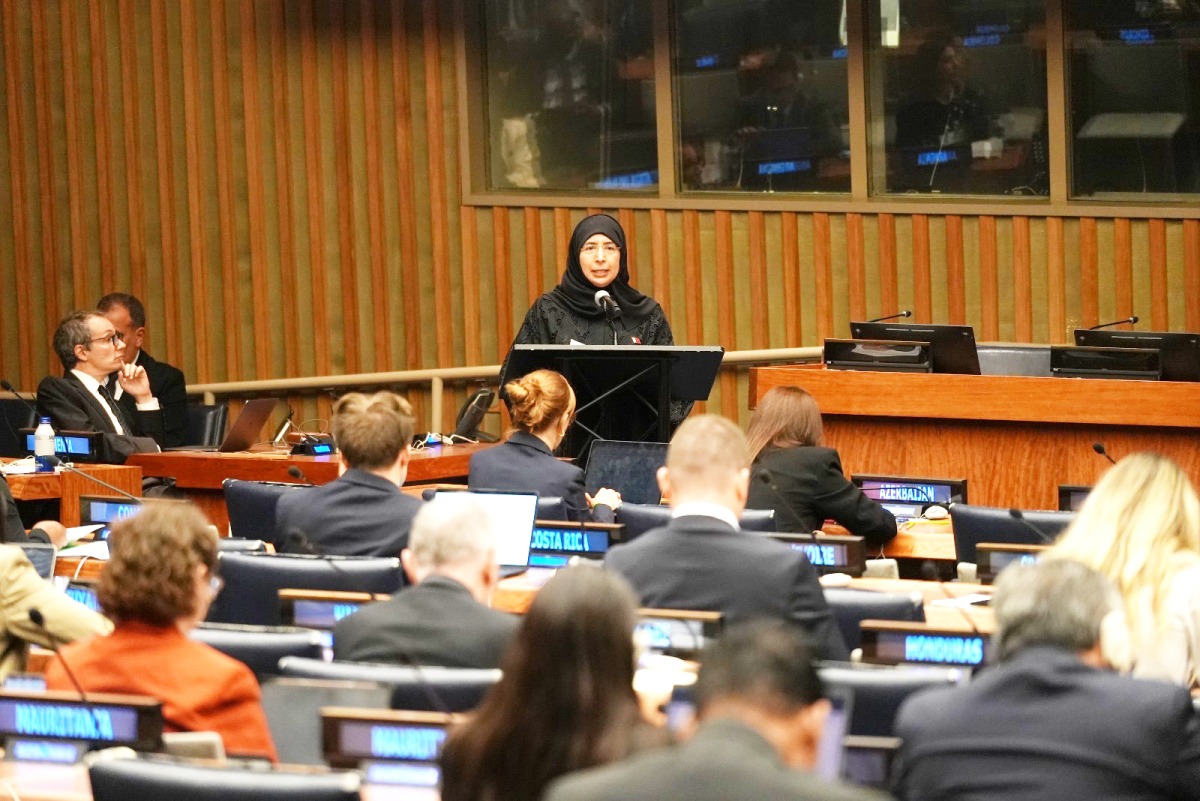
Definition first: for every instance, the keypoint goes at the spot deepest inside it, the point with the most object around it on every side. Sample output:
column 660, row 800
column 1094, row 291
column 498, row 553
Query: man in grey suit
column 1051, row 720
column 443, row 620
column 761, row 714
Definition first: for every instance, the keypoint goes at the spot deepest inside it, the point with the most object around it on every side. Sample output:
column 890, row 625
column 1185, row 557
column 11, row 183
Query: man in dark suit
column 91, row 350
column 128, row 316
column 443, row 620
column 1051, row 720
column 362, row 512
column 702, row 560
column 12, row 530
column 761, row 715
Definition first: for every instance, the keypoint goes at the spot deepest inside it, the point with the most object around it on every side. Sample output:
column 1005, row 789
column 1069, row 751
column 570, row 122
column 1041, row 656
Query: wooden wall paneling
column 106, row 201
column 628, row 221
column 256, row 206
column 839, row 257
column 1159, row 305
column 165, row 186
column 809, row 302
column 695, row 284
column 856, row 268
column 956, row 289
column 726, row 321
column 74, row 147
column 823, row 279
column 889, row 301
column 1056, row 280
column 472, row 308
column 1089, row 273
column 1022, row 280
column 760, row 305
column 372, row 133
column 347, row 266
column 989, row 280
column 922, row 275
column 1123, row 267
column 231, row 306
column 318, row 284
column 563, row 226
column 790, row 253
column 660, row 260
column 18, row 181
column 1191, row 280
column 410, row 287
column 505, row 311
column 285, row 310
column 533, row 254
column 131, row 139
column 438, row 197
column 197, row 224
column 45, row 115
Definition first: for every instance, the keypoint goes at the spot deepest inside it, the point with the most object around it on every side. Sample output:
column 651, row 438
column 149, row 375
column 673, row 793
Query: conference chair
column 976, row 524
column 293, row 710
column 551, row 507
column 16, row 415
column 419, row 689
column 124, row 779
column 251, row 507
column 260, row 647
column 206, row 424
column 253, row 581
column 639, row 518
column 878, row 691
column 851, row 607
column 241, row 545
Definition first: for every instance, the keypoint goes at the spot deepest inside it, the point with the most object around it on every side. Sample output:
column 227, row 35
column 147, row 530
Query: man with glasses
column 90, row 349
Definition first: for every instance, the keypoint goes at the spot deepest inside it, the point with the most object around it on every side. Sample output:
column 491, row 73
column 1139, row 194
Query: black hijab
column 577, row 293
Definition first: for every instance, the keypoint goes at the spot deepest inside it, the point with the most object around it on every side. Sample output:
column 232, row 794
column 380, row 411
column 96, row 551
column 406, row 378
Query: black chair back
column 206, row 424
column 424, row 689
column 878, row 691
column 14, row 415
column 551, row 507
column 253, row 582
column 851, row 607
column 240, row 545
column 639, row 518
column 125, row 779
column 976, row 524
column 260, row 647
column 251, row 507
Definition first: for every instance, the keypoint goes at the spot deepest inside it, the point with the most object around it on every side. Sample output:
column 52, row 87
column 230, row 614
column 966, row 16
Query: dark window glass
column 760, row 87
column 962, row 96
column 1134, row 75
column 570, row 92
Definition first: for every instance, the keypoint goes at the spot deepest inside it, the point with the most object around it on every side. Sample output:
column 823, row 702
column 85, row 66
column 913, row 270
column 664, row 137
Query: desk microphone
column 897, row 316
column 1132, row 319
column 605, row 301
column 1019, row 516
column 56, row 462
column 768, row 478
column 38, row 619
column 283, row 427
column 298, row 474
column 1099, row 448
column 7, row 386
column 435, row 700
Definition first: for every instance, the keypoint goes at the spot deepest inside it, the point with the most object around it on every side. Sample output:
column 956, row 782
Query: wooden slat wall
column 279, row 180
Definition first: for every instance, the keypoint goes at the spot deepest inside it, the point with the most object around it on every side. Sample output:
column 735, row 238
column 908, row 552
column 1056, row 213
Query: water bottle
column 43, row 445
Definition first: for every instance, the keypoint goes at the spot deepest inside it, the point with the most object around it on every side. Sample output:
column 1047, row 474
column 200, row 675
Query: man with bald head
column 703, row 561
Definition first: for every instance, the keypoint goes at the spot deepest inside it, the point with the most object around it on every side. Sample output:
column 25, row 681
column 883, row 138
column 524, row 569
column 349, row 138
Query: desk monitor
column 321, row 609
column 106, row 510
column 991, row 558
column 828, row 553
column 556, row 541
column 394, row 747
column 952, row 346
column 906, row 497
column 1179, row 353
column 867, row 761
column 631, row 468
column 831, row 748
column 33, row 722
column 677, row 632
column 1071, row 497
column 899, row 643
column 512, row 515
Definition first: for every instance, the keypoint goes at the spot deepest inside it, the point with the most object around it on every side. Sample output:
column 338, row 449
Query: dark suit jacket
column 725, row 761
column 437, row 622
column 168, row 385
column 810, row 488
column 71, row 407
column 700, row 563
column 523, row 463
column 357, row 514
column 10, row 518
column 1043, row 725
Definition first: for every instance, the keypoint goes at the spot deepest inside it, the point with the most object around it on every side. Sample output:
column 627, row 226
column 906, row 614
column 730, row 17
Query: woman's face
column 600, row 259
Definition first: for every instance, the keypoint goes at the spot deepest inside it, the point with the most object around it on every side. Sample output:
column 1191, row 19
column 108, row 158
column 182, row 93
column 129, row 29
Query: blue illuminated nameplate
column 932, row 157
column 101, row 510
column 1136, row 35
column 985, row 29
column 841, row 52
column 403, row 774
column 986, row 40
column 65, row 445
column 895, row 646
column 785, row 167
column 321, row 449
column 707, row 62
column 569, row 540
column 85, row 595
column 98, row 722
column 321, row 614
column 413, row 741
column 634, row 180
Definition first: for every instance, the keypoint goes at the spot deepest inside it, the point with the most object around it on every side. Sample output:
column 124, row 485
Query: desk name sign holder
column 878, row 355
column 991, row 558
column 556, row 542
column 70, row 446
column 828, row 553
column 897, row 643
column 60, row 726
column 682, row 633
column 391, row 746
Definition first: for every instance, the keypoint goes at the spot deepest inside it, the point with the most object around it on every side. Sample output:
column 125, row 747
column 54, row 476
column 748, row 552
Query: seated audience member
column 542, row 405
column 1050, row 720
column 157, row 587
column 24, row 590
column 48, row 531
column 566, row 700
column 362, row 512
column 167, row 383
column 761, row 715
column 91, row 350
column 444, row 619
column 794, row 474
column 703, row 561
column 1140, row 527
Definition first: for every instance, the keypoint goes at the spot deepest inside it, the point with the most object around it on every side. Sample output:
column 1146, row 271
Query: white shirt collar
column 705, row 509
column 93, row 386
column 89, row 381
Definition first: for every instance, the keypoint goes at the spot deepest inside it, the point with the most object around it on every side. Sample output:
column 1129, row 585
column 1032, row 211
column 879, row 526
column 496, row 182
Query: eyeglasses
column 592, row 250
column 112, row 339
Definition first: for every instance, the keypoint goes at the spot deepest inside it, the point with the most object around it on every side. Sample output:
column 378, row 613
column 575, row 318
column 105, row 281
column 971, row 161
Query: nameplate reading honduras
column 943, row 650
column 67, row 721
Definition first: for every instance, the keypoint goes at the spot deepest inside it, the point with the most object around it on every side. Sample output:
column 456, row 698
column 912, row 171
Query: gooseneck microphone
column 1019, row 516
column 1099, row 448
column 606, row 301
column 7, row 386
column 1132, row 319
column 897, row 316
column 56, row 462
column 298, row 474
column 38, row 619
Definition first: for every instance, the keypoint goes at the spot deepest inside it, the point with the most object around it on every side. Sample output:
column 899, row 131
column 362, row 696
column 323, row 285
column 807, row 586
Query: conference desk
column 1014, row 438
column 198, row 474
column 68, row 486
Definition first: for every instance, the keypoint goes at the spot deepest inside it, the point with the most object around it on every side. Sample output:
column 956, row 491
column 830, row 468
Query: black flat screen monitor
column 952, row 346
column 1179, row 353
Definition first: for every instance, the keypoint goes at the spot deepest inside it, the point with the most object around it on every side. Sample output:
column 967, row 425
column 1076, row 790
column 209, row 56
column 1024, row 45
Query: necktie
column 116, row 409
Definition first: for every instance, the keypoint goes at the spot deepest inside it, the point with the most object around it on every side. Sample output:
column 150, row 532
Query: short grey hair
column 1055, row 602
column 452, row 529
column 73, row 330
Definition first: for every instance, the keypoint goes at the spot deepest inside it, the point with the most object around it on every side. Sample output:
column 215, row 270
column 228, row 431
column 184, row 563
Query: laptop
column 631, row 468
column 245, row 429
column 513, row 515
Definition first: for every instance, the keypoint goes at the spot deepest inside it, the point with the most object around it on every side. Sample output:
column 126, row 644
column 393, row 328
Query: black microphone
column 768, row 478
column 606, row 302
column 38, row 619
column 56, row 462
column 897, row 316
column 1099, row 448
column 298, row 474
column 427, row 689
column 1132, row 319
column 7, row 386
column 1019, row 516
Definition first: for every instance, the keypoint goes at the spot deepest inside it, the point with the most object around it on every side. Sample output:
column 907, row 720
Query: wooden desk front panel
column 68, row 486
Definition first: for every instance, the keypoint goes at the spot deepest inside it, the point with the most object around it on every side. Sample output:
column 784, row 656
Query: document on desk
column 92, row 550
column 76, row 533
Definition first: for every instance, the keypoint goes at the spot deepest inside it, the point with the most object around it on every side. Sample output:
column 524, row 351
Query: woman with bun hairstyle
column 542, row 405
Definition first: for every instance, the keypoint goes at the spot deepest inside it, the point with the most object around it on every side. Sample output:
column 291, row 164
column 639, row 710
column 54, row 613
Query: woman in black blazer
column 799, row 478
column 542, row 405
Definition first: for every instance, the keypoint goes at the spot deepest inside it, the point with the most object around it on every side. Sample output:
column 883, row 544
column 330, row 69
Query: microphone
column 7, row 386
column 38, row 619
column 606, row 302
column 298, row 474
column 1132, row 319
column 56, row 462
column 897, row 316
column 427, row 689
column 1019, row 516
column 1099, row 448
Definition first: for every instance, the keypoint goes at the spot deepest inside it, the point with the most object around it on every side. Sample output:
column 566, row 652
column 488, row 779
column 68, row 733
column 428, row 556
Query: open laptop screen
column 630, row 468
column 512, row 515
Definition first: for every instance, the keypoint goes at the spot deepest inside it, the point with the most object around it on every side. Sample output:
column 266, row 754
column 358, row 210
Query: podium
column 624, row 392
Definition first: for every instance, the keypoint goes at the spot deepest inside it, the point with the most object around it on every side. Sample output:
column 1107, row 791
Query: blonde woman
column 1140, row 526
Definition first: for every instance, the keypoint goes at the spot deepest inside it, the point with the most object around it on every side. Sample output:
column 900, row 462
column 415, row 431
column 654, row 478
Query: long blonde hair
column 1139, row 526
